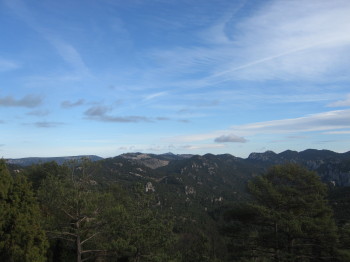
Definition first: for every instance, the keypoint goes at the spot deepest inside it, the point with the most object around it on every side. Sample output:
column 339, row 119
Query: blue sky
column 186, row 76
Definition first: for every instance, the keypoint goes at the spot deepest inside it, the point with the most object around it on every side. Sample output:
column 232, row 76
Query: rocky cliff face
column 153, row 161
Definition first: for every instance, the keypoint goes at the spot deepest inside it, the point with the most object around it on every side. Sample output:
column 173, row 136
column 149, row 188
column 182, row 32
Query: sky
column 108, row 77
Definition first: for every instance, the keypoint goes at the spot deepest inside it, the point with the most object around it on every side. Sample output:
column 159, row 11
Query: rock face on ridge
column 146, row 159
column 332, row 167
column 219, row 170
column 154, row 161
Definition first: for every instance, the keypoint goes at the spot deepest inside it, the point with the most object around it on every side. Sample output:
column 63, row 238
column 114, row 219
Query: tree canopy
column 21, row 235
column 294, row 218
column 88, row 216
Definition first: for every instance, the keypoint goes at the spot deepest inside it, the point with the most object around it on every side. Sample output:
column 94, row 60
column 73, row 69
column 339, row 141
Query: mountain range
column 226, row 169
column 197, row 184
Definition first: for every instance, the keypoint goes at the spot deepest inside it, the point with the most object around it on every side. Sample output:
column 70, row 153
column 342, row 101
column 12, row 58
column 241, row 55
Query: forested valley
column 139, row 207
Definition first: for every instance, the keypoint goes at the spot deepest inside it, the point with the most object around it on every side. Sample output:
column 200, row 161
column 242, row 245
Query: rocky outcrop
column 146, row 159
column 150, row 187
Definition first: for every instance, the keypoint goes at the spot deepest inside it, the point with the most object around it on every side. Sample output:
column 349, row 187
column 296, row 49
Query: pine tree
column 21, row 236
column 103, row 225
column 296, row 223
column 73, row 207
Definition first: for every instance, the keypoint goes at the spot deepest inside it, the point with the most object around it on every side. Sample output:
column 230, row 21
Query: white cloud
column 67, row 51
column 100, row 113
column 341, row 103
column 155, row 95
column 342, row 132
column 69, row 54
column 69, row 104
column 282, row 40
column 330, row 120
column 231, row 138
column 314, row 122
column 291, row 39
column 29, row 101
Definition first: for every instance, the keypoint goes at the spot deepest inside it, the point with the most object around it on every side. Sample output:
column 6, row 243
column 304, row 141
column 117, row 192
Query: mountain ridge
column 27, row 161
column 323, row 153
column 331, row 166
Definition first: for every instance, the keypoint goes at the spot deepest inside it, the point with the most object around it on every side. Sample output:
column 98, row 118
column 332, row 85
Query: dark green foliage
column 21, row 236
column 199, row 209
column 134, row 230
column 344, row 237
column 101, row 223
column 340, row 201
column 296, row 223
column 74, row 209
column 239, row 225
column 194, row 247
column 37, row 173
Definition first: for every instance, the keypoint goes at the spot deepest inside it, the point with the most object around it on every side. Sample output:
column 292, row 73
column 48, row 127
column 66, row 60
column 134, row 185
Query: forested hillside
column 145, row 207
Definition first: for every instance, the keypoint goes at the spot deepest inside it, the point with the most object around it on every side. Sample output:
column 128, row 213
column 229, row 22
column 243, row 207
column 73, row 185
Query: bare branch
column 63, row 233
column 82, row 242
column 82, row 219
column 64, row 211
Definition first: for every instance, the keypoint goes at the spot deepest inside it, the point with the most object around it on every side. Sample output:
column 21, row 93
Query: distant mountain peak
column 168, row 154
column 266, row 156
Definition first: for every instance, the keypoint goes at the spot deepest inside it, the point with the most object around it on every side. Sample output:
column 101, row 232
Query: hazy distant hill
column 27, row 161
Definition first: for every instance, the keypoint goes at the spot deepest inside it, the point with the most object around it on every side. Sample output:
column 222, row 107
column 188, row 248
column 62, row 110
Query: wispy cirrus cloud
column 8, row 65
column 279, row 40
column 155, row 95
column 28, row 101
column 321, row 122
column 65, row 50
column 338, row 132
column 69, row 54
column 296, row 39
column 341, row 103
column 314, row 122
